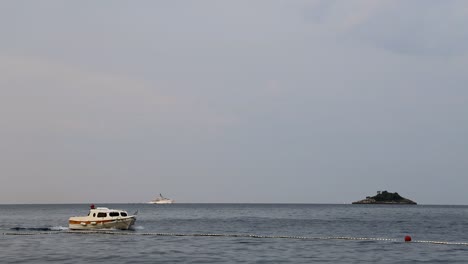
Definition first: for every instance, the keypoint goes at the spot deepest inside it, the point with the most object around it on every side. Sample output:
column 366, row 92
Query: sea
column 240, row 233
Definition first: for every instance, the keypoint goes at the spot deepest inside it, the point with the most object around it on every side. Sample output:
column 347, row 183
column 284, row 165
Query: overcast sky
column 233, row 101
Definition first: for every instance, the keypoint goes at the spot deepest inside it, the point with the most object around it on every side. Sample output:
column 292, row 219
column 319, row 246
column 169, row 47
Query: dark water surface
column 47, row 239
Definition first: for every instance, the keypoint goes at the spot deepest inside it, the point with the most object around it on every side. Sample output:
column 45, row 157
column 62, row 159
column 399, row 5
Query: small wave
column 137, row 227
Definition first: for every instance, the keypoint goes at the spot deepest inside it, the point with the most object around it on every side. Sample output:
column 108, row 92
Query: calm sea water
column 47, row 239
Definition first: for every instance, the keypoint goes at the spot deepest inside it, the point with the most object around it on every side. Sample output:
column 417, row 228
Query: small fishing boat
column 102, row 217
column 161, row 200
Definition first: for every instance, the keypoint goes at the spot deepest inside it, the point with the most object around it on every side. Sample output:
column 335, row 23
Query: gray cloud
column 422, row 28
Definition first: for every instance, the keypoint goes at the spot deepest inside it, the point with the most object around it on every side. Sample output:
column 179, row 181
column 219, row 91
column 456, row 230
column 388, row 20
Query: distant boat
column 161, row 200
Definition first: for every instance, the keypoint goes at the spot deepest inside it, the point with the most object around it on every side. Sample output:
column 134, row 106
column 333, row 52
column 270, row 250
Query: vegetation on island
column 385, row 197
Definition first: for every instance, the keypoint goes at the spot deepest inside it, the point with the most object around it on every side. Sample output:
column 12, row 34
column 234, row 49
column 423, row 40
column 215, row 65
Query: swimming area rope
column 233, row 236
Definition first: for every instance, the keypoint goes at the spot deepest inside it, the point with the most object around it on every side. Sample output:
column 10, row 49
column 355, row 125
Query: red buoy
column 407, row 239
column 92, row 206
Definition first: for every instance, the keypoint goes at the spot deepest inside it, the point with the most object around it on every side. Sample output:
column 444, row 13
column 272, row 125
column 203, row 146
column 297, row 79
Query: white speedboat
column 161, row 200
column 102, row 217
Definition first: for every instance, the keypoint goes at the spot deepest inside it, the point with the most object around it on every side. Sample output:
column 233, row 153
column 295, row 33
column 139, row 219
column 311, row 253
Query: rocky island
column 385, row 198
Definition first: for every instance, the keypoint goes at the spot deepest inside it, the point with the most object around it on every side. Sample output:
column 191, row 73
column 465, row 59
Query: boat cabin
column 106, row 212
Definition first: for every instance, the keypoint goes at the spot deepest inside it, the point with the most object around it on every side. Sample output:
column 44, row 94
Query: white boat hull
column 83, row 224
column 162, row 202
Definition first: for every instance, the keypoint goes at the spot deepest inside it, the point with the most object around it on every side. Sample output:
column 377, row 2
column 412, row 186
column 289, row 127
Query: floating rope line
column 233, row 235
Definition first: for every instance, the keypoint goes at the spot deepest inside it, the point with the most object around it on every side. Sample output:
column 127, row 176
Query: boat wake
column 50, row 228
column 59, row 228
